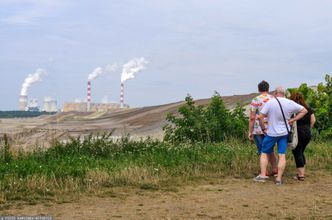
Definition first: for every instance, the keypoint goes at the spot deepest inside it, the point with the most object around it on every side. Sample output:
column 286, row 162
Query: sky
column 192, row 47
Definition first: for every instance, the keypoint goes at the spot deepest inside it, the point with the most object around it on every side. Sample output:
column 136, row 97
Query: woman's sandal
column 299, row 178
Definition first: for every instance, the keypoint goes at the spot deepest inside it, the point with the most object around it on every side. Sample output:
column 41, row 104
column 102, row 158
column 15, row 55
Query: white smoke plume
column 100, row 71
column 111, row 67
column 97, row 72
column 32, row 79
column 132, row 67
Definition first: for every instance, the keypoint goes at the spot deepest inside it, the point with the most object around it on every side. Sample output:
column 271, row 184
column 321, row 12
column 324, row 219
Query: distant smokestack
column 89, row 97
column 95, row 74
column 23, row 103
column 122, row 96
column 128, row 72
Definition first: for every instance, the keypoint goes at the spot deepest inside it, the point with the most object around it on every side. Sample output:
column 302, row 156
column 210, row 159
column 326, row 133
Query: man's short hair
column 263, row 86
column 280, row 90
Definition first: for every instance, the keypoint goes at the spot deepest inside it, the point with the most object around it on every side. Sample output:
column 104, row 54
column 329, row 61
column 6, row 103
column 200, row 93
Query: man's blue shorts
column 269, row 142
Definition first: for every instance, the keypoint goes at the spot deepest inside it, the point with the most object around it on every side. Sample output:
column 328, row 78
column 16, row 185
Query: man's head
column 280, row 92
column 263, row 86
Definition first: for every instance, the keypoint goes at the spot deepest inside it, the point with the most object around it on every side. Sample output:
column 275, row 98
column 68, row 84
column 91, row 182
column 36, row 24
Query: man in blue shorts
column 276, row 131
column 255, row 132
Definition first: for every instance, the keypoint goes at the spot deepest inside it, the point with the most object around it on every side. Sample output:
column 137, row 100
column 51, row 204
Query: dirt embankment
column 216, row 199
column 138, row 122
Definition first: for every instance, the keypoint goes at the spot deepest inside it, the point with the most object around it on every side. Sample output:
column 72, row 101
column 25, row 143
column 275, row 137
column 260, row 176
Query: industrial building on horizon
column 50, row 104
column 94, row 107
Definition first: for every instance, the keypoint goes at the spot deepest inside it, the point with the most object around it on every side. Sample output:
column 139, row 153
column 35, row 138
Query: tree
column 213, row 123
column 320, row 101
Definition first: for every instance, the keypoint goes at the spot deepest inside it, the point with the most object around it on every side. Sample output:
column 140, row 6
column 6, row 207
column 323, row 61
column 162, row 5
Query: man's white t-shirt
column 276, row 123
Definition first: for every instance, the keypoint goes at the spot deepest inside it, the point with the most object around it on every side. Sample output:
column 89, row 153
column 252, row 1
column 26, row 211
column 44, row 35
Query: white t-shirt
column 276, row 124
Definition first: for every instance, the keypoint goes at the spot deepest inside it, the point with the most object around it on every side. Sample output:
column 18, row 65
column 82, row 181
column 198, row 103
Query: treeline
column 320, row 100
column 23, row 114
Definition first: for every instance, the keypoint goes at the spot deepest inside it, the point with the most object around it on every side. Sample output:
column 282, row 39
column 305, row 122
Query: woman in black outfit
column 304, row 126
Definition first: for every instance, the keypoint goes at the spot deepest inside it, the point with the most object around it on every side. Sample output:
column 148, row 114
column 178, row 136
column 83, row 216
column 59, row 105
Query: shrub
column 320, row 101
column 213, row 123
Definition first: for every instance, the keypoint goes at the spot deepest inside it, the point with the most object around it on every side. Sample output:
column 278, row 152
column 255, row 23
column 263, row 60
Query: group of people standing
column 271, row 117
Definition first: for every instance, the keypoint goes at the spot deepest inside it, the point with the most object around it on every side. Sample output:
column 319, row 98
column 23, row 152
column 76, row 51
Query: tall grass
column 97, row 162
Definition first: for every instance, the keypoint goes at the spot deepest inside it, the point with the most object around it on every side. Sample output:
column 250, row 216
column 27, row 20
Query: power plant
column 50, row 104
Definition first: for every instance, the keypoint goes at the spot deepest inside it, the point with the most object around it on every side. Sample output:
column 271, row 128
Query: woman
column 304, row 126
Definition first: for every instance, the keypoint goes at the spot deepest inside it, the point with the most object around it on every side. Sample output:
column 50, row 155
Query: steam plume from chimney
column 111, row 67
column 128, row 72
column 32, row 79
column 132, row 67
column 97, row 72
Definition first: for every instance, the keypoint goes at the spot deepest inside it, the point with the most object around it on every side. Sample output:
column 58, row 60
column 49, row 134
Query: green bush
column 213, row 123
column 320, row 101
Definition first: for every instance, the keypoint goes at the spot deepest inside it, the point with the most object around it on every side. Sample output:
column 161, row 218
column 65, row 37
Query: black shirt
column 305, row 121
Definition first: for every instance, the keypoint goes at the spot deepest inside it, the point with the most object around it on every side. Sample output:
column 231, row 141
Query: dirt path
column 215, row 199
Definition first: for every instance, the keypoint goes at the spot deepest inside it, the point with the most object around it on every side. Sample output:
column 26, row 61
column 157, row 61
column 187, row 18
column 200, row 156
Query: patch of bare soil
column 215, row 199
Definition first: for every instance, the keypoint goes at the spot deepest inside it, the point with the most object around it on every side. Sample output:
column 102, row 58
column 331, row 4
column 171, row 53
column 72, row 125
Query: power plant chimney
column 88, row 108
column 128, row 72
column 23, row 102
column 122, row 95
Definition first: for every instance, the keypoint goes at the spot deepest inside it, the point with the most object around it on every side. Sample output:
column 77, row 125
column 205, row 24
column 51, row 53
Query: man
column 255, row 132
column 276, row 131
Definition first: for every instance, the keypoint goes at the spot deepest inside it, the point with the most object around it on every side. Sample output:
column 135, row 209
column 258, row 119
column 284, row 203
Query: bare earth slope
column 138, row 122
column 218, row 199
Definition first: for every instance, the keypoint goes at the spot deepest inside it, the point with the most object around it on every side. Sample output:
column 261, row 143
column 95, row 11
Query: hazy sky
column 193, row 46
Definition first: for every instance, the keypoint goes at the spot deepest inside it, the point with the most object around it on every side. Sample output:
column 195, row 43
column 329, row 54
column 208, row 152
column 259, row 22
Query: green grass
column 96, row 163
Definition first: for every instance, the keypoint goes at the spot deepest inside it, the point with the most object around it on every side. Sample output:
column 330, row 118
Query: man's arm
column 298, row 116
column 261, row 122
column 252, row 119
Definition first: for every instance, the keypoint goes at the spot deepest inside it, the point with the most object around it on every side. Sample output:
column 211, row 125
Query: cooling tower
column 50, row 105
column 23, row 103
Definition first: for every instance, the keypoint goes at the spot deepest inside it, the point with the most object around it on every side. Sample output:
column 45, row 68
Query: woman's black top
column 303, row 129
column 305, row 121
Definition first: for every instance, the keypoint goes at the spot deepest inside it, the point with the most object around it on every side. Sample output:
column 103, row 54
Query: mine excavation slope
column 138, row 122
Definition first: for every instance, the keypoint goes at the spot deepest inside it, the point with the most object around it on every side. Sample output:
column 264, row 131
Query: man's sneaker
column 260, row 178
